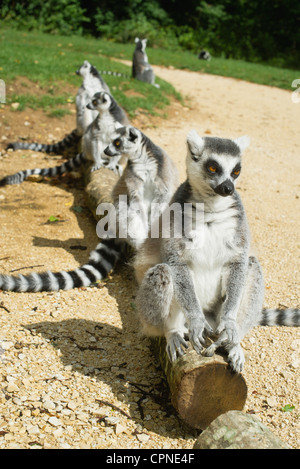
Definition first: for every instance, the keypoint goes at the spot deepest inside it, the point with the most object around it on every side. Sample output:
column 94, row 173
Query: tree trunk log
column 237, row 430
column 202, row 388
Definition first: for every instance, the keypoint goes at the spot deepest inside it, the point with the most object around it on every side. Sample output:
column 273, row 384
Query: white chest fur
column 209, row 248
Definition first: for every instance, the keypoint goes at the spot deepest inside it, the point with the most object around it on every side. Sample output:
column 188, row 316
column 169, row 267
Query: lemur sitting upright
column 92, row 83
column 98, row 134
column 141, row 69
column 109, row 116
column 150, row 176
column 206, row 282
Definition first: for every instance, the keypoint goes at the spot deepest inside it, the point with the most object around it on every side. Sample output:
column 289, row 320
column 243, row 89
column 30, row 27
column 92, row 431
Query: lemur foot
column 174, row 346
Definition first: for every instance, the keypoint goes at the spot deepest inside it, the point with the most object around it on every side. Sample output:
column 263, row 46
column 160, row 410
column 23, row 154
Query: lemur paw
column 236, row 359
column 95, row 168
column 174, row 346
column 230, row 328
column 198, row 330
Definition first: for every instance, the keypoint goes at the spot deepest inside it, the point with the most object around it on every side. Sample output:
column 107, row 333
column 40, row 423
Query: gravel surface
column 75, row 372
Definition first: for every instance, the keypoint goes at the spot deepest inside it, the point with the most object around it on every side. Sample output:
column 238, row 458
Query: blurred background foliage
column 265, row 31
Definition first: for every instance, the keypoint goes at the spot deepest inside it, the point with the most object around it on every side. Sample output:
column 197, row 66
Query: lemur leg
column 248, row 316
column 158, row 311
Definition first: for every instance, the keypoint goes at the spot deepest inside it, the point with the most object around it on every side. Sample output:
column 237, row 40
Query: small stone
column 55, row 421
column 12, row 387
column 49, row 405
column 112, row 420
column 119, row 429
column 58, row 432
column 34, row 430
column 272, row 401
column 143, row 437
column 71, row 405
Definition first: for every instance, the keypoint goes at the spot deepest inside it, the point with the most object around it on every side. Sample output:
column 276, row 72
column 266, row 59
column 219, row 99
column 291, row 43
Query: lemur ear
column 136, row 39
column 242, row 142
column 132, row 134
column 195, row 144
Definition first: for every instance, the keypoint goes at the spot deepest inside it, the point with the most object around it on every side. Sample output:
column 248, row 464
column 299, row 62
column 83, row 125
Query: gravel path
column 75, row 372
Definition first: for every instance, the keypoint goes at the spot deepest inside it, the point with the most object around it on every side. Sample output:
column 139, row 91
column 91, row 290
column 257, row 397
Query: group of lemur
column 205, row 287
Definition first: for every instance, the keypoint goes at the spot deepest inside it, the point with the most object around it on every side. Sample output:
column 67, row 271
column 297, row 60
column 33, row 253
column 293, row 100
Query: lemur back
column 141, row 69
column 148, row 167
column 91, row 84
column 205, row 282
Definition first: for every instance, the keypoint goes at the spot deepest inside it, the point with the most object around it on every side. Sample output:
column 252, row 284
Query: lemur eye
column 94, row 102
column 117, row 143
column 236, row 172
column 212, row 169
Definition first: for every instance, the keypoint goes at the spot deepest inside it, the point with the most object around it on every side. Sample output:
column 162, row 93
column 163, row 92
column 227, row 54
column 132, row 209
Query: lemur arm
column 234, row 278
column 186, row 297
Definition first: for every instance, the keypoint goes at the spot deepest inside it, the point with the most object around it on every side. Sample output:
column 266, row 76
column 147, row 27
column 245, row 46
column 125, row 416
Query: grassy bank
column 51, row 61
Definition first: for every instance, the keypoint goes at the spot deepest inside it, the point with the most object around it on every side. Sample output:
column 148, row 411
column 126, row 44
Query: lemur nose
column 225, row 188
column 228, row 189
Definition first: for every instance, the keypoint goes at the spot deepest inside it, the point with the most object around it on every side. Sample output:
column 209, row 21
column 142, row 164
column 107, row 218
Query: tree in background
column 256, row 30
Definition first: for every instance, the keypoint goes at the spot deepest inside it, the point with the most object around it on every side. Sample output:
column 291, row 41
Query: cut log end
column 202, row 388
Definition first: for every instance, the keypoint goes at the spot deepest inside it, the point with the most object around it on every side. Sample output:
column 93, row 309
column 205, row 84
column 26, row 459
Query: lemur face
column 214, row 164
column 101, row 101
column 126, row 141
column 84, row 69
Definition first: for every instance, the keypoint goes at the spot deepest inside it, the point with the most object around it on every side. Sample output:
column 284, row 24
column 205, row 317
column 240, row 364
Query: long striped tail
column 70, row 165
column 101, row 261
column 70, row 140
column 280, row 317
column 114, row 74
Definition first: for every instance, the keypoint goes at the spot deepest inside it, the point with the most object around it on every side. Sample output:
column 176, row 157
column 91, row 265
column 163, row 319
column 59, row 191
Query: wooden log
column 98, row 186
column 237, row 430
column 201, row 387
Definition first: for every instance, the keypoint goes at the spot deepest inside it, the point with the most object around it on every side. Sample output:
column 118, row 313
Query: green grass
column 51, row 61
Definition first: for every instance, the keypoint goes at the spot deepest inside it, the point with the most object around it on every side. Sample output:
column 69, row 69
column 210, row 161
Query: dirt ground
column 75, row 372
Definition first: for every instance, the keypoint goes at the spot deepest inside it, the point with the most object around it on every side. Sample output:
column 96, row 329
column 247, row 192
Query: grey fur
column 149, row 177
column 207, row 283
column 109, row 117
column 141, row 69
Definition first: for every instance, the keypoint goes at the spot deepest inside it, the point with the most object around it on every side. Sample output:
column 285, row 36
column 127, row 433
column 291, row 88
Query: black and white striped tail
column 70, row 165
column 114, row 74
column 101, row 261
column 280, row 317
column 70, row 140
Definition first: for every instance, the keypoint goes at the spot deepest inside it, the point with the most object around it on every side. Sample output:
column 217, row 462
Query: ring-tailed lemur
column 206, row 282
column 91, row 84
column 98, row 134
column 141, row 69
column 150, row 175
column 204, row 55
column 109, row 116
